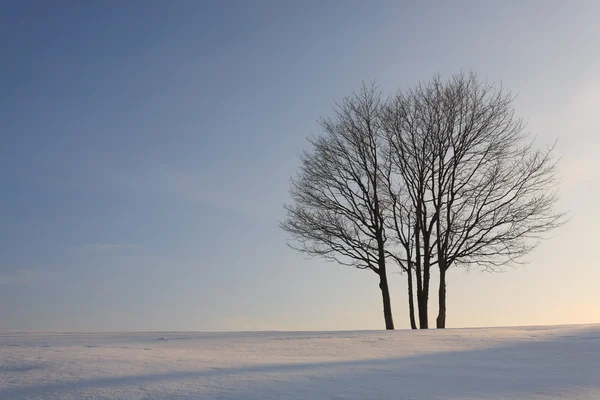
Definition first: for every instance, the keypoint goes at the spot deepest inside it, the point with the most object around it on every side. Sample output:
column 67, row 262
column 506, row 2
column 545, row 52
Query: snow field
column 559, row 362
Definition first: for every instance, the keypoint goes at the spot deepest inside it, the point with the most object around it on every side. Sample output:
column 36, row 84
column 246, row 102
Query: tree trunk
column 383, row 282
column 387, row 304
column 423, row 317
column 421, row 299
column 421, row 302
column 441, row 319
column 411, row 303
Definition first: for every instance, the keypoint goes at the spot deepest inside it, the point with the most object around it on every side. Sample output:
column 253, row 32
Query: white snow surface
column 559, row 362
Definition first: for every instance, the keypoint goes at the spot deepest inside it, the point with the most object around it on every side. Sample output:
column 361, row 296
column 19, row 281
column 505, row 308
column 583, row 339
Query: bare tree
column 401, row 222
column 404, row 256
column 483, row 195
column 407, row 122
column 338, row 198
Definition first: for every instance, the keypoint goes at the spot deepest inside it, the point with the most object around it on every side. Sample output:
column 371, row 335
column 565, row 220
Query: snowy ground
column 491, row 363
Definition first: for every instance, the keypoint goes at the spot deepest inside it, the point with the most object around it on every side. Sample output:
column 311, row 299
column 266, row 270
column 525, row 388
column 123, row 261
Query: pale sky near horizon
column 147, row 148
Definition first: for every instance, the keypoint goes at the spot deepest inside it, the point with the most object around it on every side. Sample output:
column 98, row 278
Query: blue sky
column 147, row 148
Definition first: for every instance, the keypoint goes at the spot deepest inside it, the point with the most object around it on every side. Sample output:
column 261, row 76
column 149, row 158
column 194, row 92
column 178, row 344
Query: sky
column 147, row 146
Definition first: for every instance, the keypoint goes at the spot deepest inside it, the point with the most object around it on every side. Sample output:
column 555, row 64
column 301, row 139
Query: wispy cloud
column 102, row 249
column 20, row 276
column 238, row 191
column 197, row 188
column 121, row 254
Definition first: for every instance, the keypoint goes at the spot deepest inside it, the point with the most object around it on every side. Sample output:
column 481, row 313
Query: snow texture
column 560, row 362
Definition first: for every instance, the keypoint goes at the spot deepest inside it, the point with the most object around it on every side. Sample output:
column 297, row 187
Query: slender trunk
column 422, row 304
column 423, row 307
column 411, row 303
column 441, row 319
column 387, row 304
column 383, row 284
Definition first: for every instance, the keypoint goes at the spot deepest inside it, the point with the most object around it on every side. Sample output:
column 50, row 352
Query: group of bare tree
column 438, row 176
